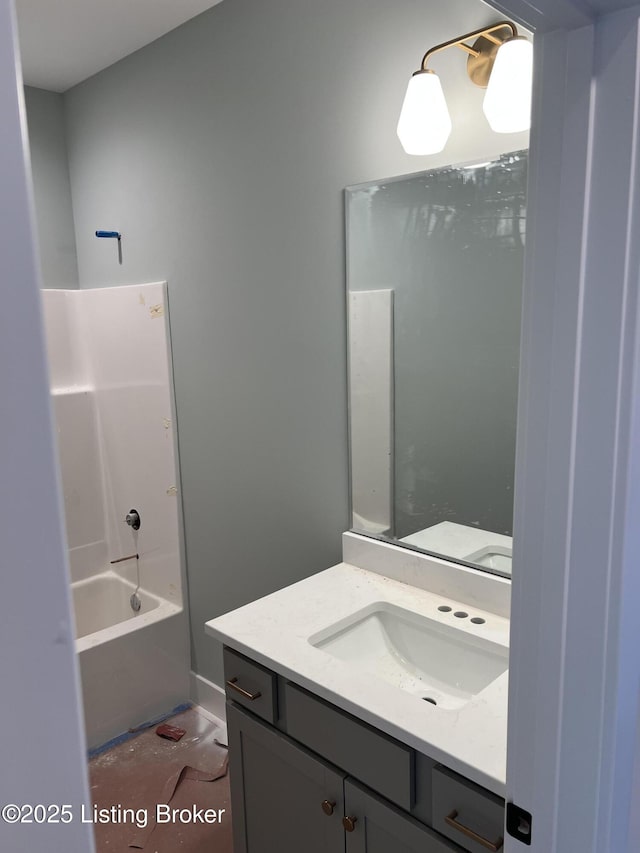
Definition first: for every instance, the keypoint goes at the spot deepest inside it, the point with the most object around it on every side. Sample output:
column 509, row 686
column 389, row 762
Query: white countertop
column 274, row 631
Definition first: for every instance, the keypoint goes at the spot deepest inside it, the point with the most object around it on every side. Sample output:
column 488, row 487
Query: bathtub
column 131, row 664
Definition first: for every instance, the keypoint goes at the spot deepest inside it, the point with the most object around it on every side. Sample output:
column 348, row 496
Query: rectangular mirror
column 434, row 276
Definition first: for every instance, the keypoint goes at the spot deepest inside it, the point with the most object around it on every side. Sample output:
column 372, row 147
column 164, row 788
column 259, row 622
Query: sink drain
column 429, row 699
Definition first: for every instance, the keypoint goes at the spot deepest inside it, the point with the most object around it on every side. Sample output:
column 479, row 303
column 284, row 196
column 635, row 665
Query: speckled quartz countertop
column 275, row 632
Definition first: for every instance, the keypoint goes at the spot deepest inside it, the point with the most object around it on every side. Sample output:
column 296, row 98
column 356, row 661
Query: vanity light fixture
column 499, row 60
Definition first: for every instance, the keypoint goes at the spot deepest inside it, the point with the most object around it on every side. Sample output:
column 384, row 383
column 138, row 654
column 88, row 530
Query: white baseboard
column 208, row 695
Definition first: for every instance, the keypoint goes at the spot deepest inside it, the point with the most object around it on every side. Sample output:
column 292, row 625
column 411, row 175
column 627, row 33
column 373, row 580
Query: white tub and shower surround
column 111, row 381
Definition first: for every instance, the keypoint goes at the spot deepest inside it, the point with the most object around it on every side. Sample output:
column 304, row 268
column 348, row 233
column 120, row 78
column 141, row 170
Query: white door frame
column 43, row 753
column 575, row 635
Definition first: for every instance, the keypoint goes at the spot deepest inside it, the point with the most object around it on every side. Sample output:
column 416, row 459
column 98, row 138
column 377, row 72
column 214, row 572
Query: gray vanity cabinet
column 380, row 828
column 306, row 776
column 284, row 800
column 287, row 800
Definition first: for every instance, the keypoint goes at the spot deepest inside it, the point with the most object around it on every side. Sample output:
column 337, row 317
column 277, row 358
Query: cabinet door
column 380, row 828
column 280, row 793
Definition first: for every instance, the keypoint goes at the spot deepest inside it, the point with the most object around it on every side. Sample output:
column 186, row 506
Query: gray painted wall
column 221, row 152
column 51, row 188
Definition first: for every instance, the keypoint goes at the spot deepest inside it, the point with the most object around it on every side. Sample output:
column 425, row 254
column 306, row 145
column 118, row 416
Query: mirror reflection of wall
column 435, row 279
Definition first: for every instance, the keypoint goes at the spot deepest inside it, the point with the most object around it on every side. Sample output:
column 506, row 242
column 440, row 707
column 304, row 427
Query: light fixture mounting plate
column 480, row 62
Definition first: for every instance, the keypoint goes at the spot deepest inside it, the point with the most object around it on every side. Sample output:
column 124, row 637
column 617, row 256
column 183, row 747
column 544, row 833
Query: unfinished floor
column 148, row 770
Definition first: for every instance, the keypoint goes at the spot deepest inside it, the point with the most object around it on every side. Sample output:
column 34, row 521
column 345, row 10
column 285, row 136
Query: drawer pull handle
column 349, row 823
column 328, row 806
column 234, row 686
column 451, row 821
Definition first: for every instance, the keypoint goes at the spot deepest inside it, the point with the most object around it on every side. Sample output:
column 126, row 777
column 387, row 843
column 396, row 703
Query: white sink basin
column 493, row 557
column 435, row 662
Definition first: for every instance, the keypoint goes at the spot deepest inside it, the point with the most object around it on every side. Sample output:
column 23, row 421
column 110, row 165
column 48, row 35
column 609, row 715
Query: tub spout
column 133, row 519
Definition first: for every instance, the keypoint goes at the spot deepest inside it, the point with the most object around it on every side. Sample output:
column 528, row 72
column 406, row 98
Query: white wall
column 43, row 757
column 110, row 365
column 126, row 335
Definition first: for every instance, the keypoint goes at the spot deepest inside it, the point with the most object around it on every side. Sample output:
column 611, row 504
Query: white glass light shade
column 507, row 104
column 425, row 124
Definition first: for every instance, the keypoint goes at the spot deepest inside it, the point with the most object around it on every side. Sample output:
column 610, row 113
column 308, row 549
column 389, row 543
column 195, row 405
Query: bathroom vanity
column 367, row 704
column 366, row 711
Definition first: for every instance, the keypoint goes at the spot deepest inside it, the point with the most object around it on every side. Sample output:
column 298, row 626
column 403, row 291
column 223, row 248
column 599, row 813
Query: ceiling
column 63, row 42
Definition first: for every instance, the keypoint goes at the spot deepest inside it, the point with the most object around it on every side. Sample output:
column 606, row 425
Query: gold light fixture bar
column 499, row 60
column 481, row 53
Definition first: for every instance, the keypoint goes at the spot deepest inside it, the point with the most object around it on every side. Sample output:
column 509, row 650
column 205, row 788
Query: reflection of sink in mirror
column 493, row 557
column 439, row 663
column 489, row 550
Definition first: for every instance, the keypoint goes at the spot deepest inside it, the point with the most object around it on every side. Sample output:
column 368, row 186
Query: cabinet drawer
column 250, row 684
column 381, row 762
column 468, row 814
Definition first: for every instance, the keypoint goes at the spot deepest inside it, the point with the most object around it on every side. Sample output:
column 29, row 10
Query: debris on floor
column 181, row 802
column 163, row 795
column 221, row 737
column 170, row 732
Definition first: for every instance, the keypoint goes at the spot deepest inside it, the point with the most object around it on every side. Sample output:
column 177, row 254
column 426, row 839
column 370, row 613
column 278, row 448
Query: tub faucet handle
column 133, row 519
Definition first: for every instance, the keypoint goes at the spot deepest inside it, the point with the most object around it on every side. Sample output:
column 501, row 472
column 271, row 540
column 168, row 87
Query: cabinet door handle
column 494, row 846
column 349, row 823
column 251, row 696
column 328, row 806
